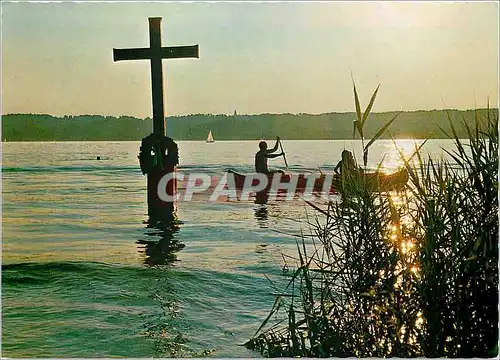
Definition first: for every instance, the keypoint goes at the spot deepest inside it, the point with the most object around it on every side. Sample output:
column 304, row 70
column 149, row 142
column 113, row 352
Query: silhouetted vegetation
column 414, row 124
column 409, row 274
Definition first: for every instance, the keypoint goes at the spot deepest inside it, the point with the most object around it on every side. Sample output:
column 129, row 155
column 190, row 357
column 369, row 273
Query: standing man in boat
column 263, row 154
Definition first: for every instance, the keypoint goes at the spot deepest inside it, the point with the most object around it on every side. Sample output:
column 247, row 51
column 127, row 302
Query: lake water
column 83, row 275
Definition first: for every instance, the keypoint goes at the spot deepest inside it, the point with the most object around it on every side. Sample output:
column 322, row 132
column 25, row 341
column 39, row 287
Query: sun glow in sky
column 254, row 57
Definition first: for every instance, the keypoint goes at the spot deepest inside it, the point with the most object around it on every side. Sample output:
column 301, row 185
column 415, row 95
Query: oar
column 284, row 157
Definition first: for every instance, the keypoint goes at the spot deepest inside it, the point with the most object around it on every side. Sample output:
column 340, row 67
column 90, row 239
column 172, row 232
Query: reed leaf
column 370, row 105
column 359, row 120
column 381, row 131
column 275, row 308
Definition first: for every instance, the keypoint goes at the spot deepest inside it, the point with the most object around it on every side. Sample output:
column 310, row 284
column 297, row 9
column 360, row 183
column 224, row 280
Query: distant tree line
column 410, row 124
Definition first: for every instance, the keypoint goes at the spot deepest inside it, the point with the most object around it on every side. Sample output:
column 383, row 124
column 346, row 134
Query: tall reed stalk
column 405, row 274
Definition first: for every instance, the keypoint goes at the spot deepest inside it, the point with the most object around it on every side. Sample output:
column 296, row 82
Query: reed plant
column 407, row 274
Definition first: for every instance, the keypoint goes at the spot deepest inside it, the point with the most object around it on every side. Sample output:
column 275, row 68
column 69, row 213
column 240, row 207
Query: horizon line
column 258, row 114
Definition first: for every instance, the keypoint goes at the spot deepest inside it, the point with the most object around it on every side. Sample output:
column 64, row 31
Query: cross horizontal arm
column 132, row 54
column 172, row 52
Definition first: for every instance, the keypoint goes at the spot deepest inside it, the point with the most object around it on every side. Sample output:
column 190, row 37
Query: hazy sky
column 57, row 58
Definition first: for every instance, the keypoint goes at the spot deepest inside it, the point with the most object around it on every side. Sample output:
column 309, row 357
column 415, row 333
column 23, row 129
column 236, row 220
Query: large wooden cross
column 155, row 53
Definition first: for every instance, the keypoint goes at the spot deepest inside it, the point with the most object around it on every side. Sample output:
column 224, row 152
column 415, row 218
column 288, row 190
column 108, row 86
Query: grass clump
column 405, row 274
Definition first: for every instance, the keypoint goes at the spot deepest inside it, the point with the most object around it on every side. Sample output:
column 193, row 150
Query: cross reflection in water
column 160, row 245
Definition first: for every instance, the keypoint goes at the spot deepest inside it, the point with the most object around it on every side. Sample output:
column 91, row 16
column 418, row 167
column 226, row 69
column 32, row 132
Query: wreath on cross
column 158, row 152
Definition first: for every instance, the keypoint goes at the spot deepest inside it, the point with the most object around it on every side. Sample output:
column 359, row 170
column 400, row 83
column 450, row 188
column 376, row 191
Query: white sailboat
column 210, row 138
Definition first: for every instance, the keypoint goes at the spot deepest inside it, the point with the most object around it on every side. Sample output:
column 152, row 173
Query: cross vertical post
column 157, row 76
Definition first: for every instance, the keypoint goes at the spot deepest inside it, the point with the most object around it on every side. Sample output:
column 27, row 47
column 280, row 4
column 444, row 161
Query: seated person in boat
column 263, row 154
column 347, row 165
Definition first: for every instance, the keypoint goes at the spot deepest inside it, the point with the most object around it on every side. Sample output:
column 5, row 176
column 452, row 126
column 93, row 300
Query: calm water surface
column 83, row 275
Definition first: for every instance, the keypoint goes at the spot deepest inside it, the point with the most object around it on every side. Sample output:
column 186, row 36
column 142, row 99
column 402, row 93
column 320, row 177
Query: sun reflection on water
column 392, row 157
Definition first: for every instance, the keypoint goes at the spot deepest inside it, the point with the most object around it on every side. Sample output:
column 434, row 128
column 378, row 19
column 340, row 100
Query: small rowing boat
column 376, row 181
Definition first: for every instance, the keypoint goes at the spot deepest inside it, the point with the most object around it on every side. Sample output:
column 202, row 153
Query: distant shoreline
column 421, row 124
